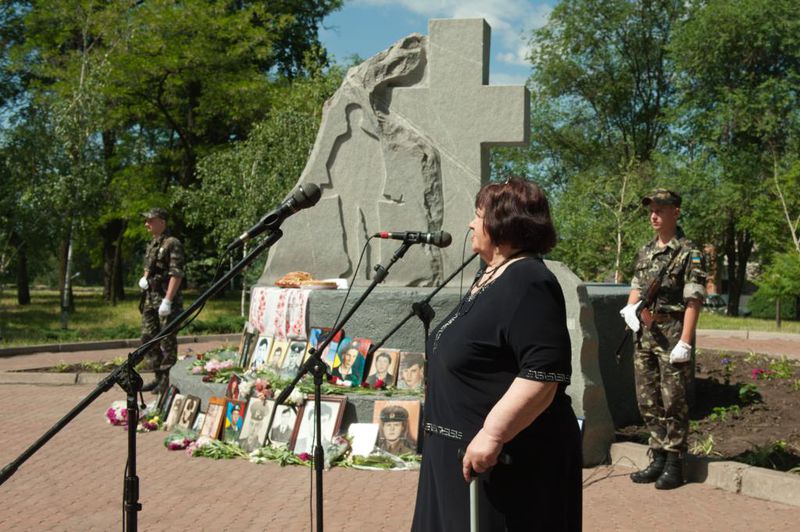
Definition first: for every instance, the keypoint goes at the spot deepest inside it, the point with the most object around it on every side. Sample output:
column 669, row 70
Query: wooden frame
column 215, row 414
column 175, row 410
column 247, row 345
column 232, row 390
column 165, row 401
column 234, row 419
column 332, row 411
column 256, row 424
column 284, row 425
column 191, row 406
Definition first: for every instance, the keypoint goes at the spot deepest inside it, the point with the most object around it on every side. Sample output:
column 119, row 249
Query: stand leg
column 131, row 486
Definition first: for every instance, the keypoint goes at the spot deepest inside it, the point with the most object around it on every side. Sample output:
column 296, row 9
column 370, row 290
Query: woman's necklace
column 478, row 285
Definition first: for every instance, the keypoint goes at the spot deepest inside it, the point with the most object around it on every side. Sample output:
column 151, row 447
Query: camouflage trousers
column 162, row 355
column 661, row 387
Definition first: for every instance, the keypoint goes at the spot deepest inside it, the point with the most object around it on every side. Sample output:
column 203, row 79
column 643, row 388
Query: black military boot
column 652, row 472
column 672, row 477
column 159, row 384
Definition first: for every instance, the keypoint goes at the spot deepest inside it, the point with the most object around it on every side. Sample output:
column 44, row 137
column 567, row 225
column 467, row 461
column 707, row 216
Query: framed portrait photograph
column 256, row 423
column 411, row 375
column 198, row 422
column 234, row 419
column 232, row 391
column 332, row 349
column 191, row 406
column 398, row 425
column 283, row 426
column 331, row 412
column 293, row 359
column 279, row 349
column 385, row 362
column 175, row 411
column 350, row 360
column 165, row 401
column 246, row 345
column 215, row 416
column 261, row 350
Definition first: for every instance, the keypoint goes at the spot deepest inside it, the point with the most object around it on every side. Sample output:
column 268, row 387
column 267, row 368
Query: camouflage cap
column 156, row 212
column 394, row 413
column 662, row 196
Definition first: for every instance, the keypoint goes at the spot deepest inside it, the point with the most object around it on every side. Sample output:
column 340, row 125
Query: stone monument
column 403, row 146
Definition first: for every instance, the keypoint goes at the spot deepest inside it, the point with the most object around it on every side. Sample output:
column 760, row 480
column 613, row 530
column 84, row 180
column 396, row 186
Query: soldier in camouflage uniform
column 161, row 297
column 662, row 359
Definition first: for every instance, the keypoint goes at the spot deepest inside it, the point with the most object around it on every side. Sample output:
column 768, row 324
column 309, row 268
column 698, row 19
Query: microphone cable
column 463, row 258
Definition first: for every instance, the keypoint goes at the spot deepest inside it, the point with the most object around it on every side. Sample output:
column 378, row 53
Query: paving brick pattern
column 74, row 482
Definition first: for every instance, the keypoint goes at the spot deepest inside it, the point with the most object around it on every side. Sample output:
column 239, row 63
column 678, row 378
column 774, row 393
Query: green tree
column 739, row 68
column 781, row 281
column 601, row 85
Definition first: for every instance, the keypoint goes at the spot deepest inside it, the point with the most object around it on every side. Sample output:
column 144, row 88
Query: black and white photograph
column 331, row 412
column 256, row 423
column 283, row 426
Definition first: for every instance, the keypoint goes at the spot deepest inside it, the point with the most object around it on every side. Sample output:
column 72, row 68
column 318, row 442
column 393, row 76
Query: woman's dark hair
column 516, row 213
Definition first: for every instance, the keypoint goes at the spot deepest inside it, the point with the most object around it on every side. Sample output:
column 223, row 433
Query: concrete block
column 721, row 474
column 629, row 454
column 771, row 485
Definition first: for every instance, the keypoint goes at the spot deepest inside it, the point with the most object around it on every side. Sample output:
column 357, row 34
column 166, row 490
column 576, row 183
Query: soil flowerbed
column 746, row 409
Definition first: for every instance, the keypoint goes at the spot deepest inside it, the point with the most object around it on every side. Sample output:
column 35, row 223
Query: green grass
column 715, row 321
column 95, row 319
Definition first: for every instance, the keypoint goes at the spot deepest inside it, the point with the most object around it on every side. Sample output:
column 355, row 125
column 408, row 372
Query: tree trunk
column 113, row 286
column 63, row 252
column 778, row 312
column 23, row 280
column 738, row 247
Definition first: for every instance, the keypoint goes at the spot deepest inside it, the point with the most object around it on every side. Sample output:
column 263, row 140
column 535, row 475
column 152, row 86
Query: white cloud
column 511, row 20
column 500, row 78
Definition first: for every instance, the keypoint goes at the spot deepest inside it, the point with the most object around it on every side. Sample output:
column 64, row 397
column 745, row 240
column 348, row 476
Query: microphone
column 440, row 239
column 303, row 197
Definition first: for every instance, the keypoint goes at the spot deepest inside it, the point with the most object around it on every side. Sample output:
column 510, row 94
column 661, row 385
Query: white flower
column 296, row 397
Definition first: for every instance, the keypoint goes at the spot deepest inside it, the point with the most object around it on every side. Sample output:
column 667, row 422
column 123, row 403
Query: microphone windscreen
column 442, row 239
column 306, row 196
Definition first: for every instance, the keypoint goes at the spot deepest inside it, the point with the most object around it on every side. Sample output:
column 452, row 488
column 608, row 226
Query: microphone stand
column 130, row 381
column 423, row 310
column 315, row 365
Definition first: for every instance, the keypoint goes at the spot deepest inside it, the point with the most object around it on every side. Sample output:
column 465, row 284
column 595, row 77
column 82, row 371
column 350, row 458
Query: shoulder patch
column 696, row 257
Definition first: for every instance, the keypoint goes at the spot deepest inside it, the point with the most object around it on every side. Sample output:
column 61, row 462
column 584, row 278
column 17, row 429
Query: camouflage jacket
column 163, row 259
column 684, row 279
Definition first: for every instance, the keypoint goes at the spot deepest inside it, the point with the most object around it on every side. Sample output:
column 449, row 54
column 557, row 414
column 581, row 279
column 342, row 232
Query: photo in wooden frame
column 349, row 364
column 215, row 416
column 174, row 412
column 383, row 367
column 247, row 345
column 165, row 401
column 234, row 419
column 256, row 423
column 198, row 422
column 398, row 425
column 191, row 406
column 261, row 350
column 283, row 426
column 331, row 413
column 294, row 358
column 232, row 390
column 411, row 375
column 276, row 356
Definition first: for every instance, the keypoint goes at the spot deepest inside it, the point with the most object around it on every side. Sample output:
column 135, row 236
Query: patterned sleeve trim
column 694, row 291
column 545, row 376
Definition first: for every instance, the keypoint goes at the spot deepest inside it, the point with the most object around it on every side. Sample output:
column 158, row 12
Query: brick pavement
column 75, row 481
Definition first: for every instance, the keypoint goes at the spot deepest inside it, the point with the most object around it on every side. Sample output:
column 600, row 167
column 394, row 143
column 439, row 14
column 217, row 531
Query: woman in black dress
column 499, row 366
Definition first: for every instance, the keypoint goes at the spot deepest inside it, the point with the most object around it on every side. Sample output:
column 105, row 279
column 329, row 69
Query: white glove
column 165, row 308
column 628, row 313
column 682, row 352
column 144, row 283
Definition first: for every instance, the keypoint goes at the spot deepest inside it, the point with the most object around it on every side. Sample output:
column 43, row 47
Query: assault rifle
column 648, row 300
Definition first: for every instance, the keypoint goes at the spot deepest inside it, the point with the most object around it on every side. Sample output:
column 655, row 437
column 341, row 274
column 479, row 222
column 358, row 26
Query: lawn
column 95, row 319
column 715, row 321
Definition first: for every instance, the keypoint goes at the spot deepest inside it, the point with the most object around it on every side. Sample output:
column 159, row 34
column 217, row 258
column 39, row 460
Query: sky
column 366, row 27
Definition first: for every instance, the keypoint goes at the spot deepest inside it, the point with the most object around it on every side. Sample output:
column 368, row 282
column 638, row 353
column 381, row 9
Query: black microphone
column 303, row 197
column 440, row 239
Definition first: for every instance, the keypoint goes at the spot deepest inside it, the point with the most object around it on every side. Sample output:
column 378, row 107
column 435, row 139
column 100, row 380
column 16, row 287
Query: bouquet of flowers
column 117, row 413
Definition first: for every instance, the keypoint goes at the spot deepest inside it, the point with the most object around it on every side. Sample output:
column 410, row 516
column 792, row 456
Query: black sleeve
column 537, row 333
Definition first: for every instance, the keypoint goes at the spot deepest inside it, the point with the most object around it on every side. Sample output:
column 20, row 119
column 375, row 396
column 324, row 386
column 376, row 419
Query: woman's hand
column 481, row 454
